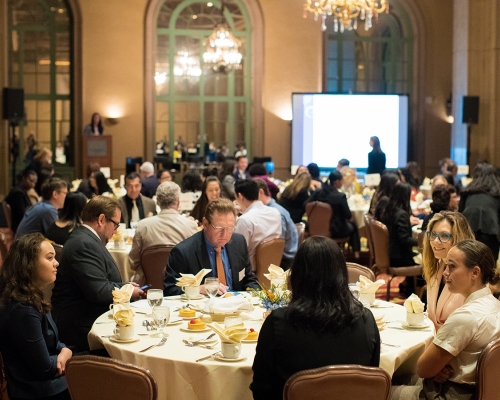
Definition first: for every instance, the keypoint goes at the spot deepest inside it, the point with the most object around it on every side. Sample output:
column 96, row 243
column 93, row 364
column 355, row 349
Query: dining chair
column 3, row 247
column 355, row 270
column 420, row 240
column 319, row 215
column 301, row 230
column 154, row 262
column 380, row 237
column 7, row 231
column 93, row 377
column 487, row 372
column 339, row 382
column 368, row 218
column 268, row 253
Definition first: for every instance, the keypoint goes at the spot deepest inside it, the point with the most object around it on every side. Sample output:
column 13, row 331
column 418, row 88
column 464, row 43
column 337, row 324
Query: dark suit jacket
column 190, row 256
column 149, row 186
column 18, row 201
column 30, row 345
column 376, row 163
column 86, row 277
column 237, row 177
column 148, row 205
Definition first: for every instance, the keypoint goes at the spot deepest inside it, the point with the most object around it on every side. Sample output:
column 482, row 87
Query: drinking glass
column 161, row 315
column 212, row 286
column 155, row 298
column 133, row 224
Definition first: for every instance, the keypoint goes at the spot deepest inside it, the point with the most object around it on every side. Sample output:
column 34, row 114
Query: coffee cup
column 230, row 349
column 414, row 319
column 192, row 292
column 124, row 332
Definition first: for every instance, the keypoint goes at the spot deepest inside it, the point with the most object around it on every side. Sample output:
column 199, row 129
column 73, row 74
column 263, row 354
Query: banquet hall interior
column 184, row 85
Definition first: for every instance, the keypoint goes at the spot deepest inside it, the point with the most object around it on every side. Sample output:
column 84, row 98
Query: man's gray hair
column 167, row 194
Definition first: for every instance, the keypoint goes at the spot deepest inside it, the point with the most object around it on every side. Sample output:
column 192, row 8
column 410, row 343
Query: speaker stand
column 469, row 129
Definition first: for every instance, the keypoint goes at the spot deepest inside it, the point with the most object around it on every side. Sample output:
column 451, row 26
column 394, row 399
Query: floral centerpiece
column 275, row 297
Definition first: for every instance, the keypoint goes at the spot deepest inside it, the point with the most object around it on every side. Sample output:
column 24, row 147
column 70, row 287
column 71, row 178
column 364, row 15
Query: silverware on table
column 207, row 357
column 162, row 342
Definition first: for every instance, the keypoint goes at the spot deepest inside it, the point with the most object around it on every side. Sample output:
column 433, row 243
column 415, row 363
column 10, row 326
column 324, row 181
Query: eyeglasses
column 443, row 237
column 116, row 224
column 220, row 229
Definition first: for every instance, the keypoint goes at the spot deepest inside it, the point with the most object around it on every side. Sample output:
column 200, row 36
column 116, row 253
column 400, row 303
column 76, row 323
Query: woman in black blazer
column 376, row 157
column 323, row 324
column 34, row 358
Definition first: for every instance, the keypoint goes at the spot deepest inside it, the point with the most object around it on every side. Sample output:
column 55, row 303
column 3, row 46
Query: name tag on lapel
column 241, row 274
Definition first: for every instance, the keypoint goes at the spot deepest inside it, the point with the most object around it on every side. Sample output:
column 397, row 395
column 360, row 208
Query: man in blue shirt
column 288, row 229
column 40, row 216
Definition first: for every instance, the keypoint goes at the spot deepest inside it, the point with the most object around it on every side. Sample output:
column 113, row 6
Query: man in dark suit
column 134, row 206
column 87, row 273
column 241, row 169
column 217, row 248
column 148, row 179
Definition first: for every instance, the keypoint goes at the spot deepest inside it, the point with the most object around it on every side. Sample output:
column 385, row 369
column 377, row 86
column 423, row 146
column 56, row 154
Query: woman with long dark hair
column 95, row 127
column 480, row 203
column 69, row 218
column 227, row 179
column 34, row 358
column 210, row 191
column 384, row 189
column 322, row 325
column 295, row 195
column 96, row 185
column 376, row 157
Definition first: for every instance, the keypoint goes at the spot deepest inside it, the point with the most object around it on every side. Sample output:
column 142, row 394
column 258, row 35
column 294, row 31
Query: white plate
column 221, row 358
column 424, row 325
column 117, row 340
column 249, row 341
column 192, row 331
column 188, row 318
column 184, row 297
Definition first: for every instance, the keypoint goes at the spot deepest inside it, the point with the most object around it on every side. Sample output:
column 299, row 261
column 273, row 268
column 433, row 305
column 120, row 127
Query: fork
column 162, row 342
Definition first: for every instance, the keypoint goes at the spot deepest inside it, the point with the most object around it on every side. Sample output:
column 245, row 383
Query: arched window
column 375, row 61
column 195, row 106
column 40, row 63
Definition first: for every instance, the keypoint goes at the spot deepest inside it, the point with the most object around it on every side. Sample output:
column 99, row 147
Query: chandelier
column 186, row 65
column 222, row 49
column 345, row 13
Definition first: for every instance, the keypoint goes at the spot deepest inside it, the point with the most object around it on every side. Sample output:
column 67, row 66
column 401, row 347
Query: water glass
column 161, row 316
column 155, row 298
column 212, row 286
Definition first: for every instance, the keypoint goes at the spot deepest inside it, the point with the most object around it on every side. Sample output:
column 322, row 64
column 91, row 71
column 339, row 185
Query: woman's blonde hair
column 460, row 230
column 301, row 181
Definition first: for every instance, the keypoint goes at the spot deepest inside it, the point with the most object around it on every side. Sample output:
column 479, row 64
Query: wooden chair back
column 487, row 372
column 154, row 262
column 267, row 253
column 355, row 270
column 319, row 215
column 301, row 230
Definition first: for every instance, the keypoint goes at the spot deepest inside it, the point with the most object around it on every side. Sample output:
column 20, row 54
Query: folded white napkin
column 276, row 275
column 219, row 305
column 123, row 294
column 123, row 315
column 367, row 286
column 192, row 280
column 234, row 333
column 414, row 305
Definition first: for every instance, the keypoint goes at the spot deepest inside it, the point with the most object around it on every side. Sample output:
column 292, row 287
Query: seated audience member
column 39, row 217
column 323, row 324
column 69, row 218
column 342, row 163
column 301, row 169
column 384, row 189
column 258, row 223
column 163, row 175
column 288, row 229
column 34, row 358
column 227, row 179
column 295, row 195
column 191, row 182
column 209, row 192
column 42, row 165
column 148, row 179
column 217, row 248
column 18, row 198
column 340, row 224
column 87, row 274
column 350, row 185
column 96, row 185
column 452, row 169
column 412, row 177
column 134, row 206
column 445, row 229
column 259, row 171
column 168, row 227
column 444, row 179
column 316, row 182
column 444, row 198
column 447, row 368
column 241, row 172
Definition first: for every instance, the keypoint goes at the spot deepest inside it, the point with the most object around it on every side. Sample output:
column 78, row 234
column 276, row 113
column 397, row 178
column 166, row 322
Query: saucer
column 117, row 340
column 196, row 331
column 199, row 297
column 424, row 325
column 189, row 318
column 249, row 341
column 224, row 359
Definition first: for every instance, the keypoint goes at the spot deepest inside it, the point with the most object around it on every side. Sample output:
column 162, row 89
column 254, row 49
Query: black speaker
column 13, row 103
column 470, row 111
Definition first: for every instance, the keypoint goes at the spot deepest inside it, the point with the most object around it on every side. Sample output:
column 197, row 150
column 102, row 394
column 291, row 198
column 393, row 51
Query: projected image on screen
column 329, row 127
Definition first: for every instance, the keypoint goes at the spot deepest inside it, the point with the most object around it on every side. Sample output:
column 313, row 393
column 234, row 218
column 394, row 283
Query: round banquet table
column 179, row 376
column 122, row 261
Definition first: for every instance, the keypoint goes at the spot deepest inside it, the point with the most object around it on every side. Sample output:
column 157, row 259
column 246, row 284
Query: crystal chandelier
column 345, row 13
column 186, row 65
column 222, row 49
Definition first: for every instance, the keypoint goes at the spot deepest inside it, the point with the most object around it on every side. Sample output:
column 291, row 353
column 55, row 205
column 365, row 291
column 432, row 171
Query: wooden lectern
column 97, row 149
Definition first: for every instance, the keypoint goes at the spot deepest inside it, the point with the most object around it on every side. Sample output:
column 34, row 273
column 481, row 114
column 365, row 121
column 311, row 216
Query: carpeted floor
column 395, row 296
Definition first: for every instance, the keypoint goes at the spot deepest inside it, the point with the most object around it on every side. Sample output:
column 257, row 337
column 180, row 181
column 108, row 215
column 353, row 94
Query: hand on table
column 222, row 289
column 444, row 374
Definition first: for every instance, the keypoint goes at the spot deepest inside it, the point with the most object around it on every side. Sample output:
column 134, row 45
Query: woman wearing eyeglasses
column 444, row 230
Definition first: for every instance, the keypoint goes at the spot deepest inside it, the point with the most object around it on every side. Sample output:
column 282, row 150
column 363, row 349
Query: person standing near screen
column 376, row 157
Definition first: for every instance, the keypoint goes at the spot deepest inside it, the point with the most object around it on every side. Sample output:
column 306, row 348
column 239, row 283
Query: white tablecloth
column 122, row 260
column 180, row 377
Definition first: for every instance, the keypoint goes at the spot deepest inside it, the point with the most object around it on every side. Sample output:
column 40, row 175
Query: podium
column 97, row 149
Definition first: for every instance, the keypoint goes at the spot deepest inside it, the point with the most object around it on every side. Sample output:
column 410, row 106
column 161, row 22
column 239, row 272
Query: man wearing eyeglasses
column 216, row 248
column 87, row 273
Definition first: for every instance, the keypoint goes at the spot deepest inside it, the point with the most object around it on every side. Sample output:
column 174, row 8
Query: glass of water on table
column 211, row 286
column 155, row 298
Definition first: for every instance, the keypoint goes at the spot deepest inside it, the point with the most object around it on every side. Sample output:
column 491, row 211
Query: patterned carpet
column 395, row 296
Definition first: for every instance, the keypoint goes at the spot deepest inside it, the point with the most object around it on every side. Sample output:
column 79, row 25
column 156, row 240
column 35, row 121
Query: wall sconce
column 449, row 113
column 112, row 120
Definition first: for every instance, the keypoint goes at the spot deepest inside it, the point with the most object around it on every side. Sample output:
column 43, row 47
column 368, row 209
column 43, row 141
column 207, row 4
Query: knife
column 207, row 357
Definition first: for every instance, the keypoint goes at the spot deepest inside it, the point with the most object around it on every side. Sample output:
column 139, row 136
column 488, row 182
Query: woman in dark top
column 295, row 195
column 34, row 358
column 322, row 325
column 69, row 218
column 316, row 182
column 376, row 157
column 210, row 192
column 384, row 189
column 96, row 185
column 444, row 198
column 95, row 127
column 480, row 204
column 18, row 198
column 227, row 179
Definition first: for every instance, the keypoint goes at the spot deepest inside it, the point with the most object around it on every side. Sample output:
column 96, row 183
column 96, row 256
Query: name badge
column 241, row 274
